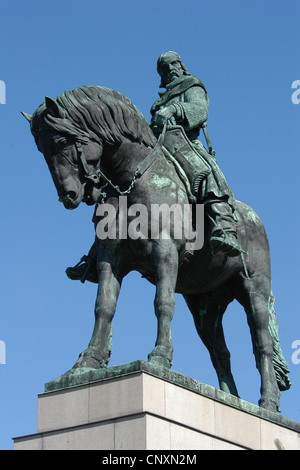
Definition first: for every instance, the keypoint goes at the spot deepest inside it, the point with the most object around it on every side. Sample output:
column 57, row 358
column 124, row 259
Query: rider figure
column 185, row 103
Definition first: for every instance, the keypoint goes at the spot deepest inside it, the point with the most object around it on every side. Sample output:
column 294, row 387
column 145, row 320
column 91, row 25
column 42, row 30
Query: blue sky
column 247, row 54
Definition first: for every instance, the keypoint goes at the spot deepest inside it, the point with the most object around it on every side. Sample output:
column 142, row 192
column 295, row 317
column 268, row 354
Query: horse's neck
column 121, row 161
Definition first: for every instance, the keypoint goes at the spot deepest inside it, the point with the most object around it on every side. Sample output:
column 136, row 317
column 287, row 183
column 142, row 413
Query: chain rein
column 96, row 176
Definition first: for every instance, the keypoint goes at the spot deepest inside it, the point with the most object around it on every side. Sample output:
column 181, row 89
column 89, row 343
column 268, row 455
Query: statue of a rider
column 185, row 103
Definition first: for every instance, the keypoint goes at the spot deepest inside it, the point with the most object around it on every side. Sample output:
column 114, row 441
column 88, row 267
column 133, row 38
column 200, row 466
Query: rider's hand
column 164, row 115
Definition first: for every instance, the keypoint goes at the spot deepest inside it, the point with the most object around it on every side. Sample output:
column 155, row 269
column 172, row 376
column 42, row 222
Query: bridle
column 96, row 177
column 92, row 176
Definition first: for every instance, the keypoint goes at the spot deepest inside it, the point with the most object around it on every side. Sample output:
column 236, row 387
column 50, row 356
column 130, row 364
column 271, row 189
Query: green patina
column 85, row 377
column 93, row 125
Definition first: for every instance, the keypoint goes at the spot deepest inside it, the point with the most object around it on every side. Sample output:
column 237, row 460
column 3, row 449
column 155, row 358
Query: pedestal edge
column 80, row 377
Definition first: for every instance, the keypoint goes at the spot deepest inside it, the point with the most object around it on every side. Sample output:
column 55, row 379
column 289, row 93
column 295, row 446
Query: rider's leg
column 219, row 200
column 86, row 269
column 223, row 236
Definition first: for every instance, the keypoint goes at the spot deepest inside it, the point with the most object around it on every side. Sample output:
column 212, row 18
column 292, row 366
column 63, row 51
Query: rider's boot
column 86, row 269
column 223, row 236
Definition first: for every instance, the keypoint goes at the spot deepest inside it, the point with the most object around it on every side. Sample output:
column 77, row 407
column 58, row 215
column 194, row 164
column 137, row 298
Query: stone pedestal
column 141, row 407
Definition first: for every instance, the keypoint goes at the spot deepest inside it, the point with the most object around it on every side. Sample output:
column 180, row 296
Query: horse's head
column 71, row 131
column 72, row 155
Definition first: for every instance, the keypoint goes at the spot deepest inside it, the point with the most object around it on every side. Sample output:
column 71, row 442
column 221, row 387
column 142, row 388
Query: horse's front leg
column 98, row 353
column 166, row 269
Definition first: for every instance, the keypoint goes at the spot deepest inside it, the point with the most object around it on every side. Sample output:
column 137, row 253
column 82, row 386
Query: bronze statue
column 93, row 137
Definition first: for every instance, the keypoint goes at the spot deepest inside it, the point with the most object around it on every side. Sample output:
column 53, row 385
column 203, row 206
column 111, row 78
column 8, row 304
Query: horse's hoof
column 160, row 361
column 87, row 362
column 269, row 404
column 89, row 359
column 157, row 358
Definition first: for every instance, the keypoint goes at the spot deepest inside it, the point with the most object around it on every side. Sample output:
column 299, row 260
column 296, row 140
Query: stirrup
column 81, row 271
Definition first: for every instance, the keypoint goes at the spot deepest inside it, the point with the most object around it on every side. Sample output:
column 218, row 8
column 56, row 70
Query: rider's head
column 170, row 67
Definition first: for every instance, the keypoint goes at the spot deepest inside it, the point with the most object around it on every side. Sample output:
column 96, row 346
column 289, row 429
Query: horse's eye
column 61, row 142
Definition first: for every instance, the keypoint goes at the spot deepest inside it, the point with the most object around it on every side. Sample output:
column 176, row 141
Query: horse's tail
column 280, row 364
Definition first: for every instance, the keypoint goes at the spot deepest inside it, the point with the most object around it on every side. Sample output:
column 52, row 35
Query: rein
column 95, row 176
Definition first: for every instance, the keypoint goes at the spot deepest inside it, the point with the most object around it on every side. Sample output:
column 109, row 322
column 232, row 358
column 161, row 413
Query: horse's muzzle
column 69, row 200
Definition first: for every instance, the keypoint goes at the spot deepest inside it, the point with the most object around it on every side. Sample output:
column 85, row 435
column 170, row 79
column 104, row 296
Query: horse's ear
column 27, row 116
column 53, row 107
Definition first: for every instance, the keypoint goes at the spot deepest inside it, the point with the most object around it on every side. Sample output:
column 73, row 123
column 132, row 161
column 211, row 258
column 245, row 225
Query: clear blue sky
column 247, row 54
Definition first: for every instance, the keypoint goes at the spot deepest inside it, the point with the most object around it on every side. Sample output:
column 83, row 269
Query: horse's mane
column 94, row 112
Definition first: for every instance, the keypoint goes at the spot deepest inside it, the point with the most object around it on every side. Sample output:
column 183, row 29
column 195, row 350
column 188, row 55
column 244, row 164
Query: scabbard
column 210, row 147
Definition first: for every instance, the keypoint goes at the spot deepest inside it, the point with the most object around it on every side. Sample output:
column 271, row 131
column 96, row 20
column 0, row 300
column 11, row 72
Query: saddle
column 190, row 165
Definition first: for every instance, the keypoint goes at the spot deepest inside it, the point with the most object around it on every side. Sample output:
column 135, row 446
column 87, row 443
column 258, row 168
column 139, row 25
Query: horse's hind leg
column 254, row 294
column 208, row 321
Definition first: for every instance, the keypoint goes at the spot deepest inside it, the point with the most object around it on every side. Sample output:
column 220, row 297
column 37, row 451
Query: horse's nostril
column 71, row 195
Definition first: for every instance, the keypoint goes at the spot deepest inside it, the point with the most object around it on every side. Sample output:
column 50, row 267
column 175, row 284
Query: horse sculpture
column 92, row 129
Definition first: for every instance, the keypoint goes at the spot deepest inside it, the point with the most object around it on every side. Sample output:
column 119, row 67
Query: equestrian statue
column 101, row 150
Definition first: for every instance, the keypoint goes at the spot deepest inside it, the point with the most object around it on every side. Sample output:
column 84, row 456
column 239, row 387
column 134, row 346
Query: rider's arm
column 192, row 112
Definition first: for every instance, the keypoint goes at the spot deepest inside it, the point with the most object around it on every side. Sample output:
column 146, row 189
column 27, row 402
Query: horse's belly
column 195, row 279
